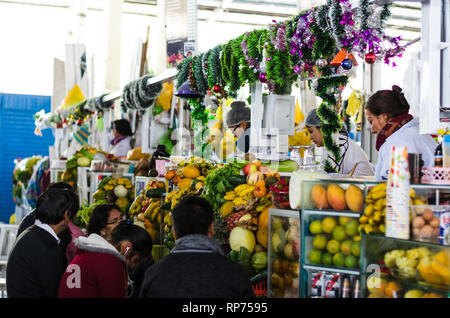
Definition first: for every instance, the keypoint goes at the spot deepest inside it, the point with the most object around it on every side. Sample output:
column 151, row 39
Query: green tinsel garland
column 183, row 71
column 248, row 74
column 328, row 113
column 230, row 68
column 278, row 68
column 214, row 67
column 336, row 26
column 385, row 14
column 200, row 79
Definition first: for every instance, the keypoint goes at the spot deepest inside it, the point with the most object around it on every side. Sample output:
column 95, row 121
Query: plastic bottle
column 438, row 156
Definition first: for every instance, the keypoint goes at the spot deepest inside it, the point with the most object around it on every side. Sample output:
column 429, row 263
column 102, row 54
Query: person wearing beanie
column 387, row 112
column 351, row 152
column 238, row 121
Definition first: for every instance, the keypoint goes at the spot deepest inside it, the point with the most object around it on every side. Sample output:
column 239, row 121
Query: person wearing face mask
column 387, row 112
column 238, row 121
column 100, row 270
column 351, row 152
column 121, row 141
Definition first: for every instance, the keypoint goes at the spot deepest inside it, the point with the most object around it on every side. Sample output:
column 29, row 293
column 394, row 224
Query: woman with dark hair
column 121, row 143
column 136, row 245
column 104, row 219
column 387, row 112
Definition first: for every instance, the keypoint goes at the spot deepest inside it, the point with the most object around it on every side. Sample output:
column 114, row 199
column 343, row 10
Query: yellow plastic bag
column 164, row 99
column 299, row 116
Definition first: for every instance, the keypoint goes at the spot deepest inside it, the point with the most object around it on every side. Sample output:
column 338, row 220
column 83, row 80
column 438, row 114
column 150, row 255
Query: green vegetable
column 217, row 183
column 155, row 193
column 259, row 261
column 84, row 213
column 237, row 180
column 234, row 256
column 281, row 166
column 71, row 163
column 245, row 258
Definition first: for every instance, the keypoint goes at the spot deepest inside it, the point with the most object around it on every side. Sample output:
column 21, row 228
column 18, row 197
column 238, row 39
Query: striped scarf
column 391, row 127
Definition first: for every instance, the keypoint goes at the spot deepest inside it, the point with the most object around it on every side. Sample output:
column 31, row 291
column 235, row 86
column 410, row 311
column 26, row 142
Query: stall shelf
column 57, row 167
column 283, row 253
column 422, row 270
column 95, row 177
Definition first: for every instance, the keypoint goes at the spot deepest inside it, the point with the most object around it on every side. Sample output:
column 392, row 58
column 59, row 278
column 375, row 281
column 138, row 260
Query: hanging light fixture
column 185, row 91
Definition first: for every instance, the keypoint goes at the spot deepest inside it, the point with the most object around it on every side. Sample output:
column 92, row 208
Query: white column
column 158, row 44
column 113, row 15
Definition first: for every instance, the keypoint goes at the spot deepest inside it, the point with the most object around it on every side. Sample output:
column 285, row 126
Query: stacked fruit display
column 409, row 273
column 190, row 172
column 337, row 198
column 335, row 242
column 82, row 158
column 118, row 191
column 373, row 221
column 146, row 208
column 285, row 253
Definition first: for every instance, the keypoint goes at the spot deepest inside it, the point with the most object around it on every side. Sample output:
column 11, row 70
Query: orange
column 390, row 288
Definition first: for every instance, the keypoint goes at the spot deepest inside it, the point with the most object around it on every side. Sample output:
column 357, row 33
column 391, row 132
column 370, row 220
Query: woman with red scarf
column 387, row 113
column 120, row 144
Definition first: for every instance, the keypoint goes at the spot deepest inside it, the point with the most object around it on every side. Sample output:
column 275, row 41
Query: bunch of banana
column 136, row 206
column 175, row 196
column 263, row 203
column 168, row 222
column 374, row 218
column 241, row 194
column 153, row 209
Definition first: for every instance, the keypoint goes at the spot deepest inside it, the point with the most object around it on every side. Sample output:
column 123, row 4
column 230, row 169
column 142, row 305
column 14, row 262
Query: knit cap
column 238, row 113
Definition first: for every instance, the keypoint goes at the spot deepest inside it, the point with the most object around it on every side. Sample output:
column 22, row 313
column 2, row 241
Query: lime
column 327, row 259
column 339, row 233
column 333, row 246
column 346, row 247
column 315, row 256
column 351, row 261
column 343, row 220
column 356, row 248
column 328, row 224
column 315, row 227
column 339, row 260
column 320, row 241
column 351, row 228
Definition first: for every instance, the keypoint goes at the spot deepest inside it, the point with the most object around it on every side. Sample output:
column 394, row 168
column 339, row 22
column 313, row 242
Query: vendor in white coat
column 120, row 144
column 387, row 113
column 351, row 152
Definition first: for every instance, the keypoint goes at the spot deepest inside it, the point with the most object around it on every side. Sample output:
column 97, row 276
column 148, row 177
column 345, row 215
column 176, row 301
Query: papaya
column 191, row 172
column 262, row 236
column 185, row 182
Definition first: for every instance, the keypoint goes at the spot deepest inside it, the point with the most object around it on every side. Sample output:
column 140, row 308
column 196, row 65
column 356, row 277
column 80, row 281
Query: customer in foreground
column 196, row 267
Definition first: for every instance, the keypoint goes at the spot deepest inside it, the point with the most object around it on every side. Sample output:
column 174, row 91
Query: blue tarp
column 17, row 140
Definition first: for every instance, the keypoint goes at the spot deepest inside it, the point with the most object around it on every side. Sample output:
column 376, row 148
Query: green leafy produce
column 217, row 183
column 104, row 182
column 71, row 163
column 84, row 213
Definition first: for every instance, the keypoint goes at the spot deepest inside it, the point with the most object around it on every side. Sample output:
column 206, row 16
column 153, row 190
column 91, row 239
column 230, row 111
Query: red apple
column 249, row 168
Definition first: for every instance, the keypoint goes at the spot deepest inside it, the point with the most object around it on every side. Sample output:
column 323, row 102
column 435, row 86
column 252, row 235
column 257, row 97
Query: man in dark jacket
column 197, row 266
column 35, row 264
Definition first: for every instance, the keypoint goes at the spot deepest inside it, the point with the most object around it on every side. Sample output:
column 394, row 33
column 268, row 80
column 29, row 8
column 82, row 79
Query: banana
column 241, row 187
column 155, row 213
column 369, row 210
column 380, row 204
column 245, row 192
column 378, row 195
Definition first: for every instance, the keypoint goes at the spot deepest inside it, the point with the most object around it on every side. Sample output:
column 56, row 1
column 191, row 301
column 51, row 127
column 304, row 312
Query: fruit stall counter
column 343, row 244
